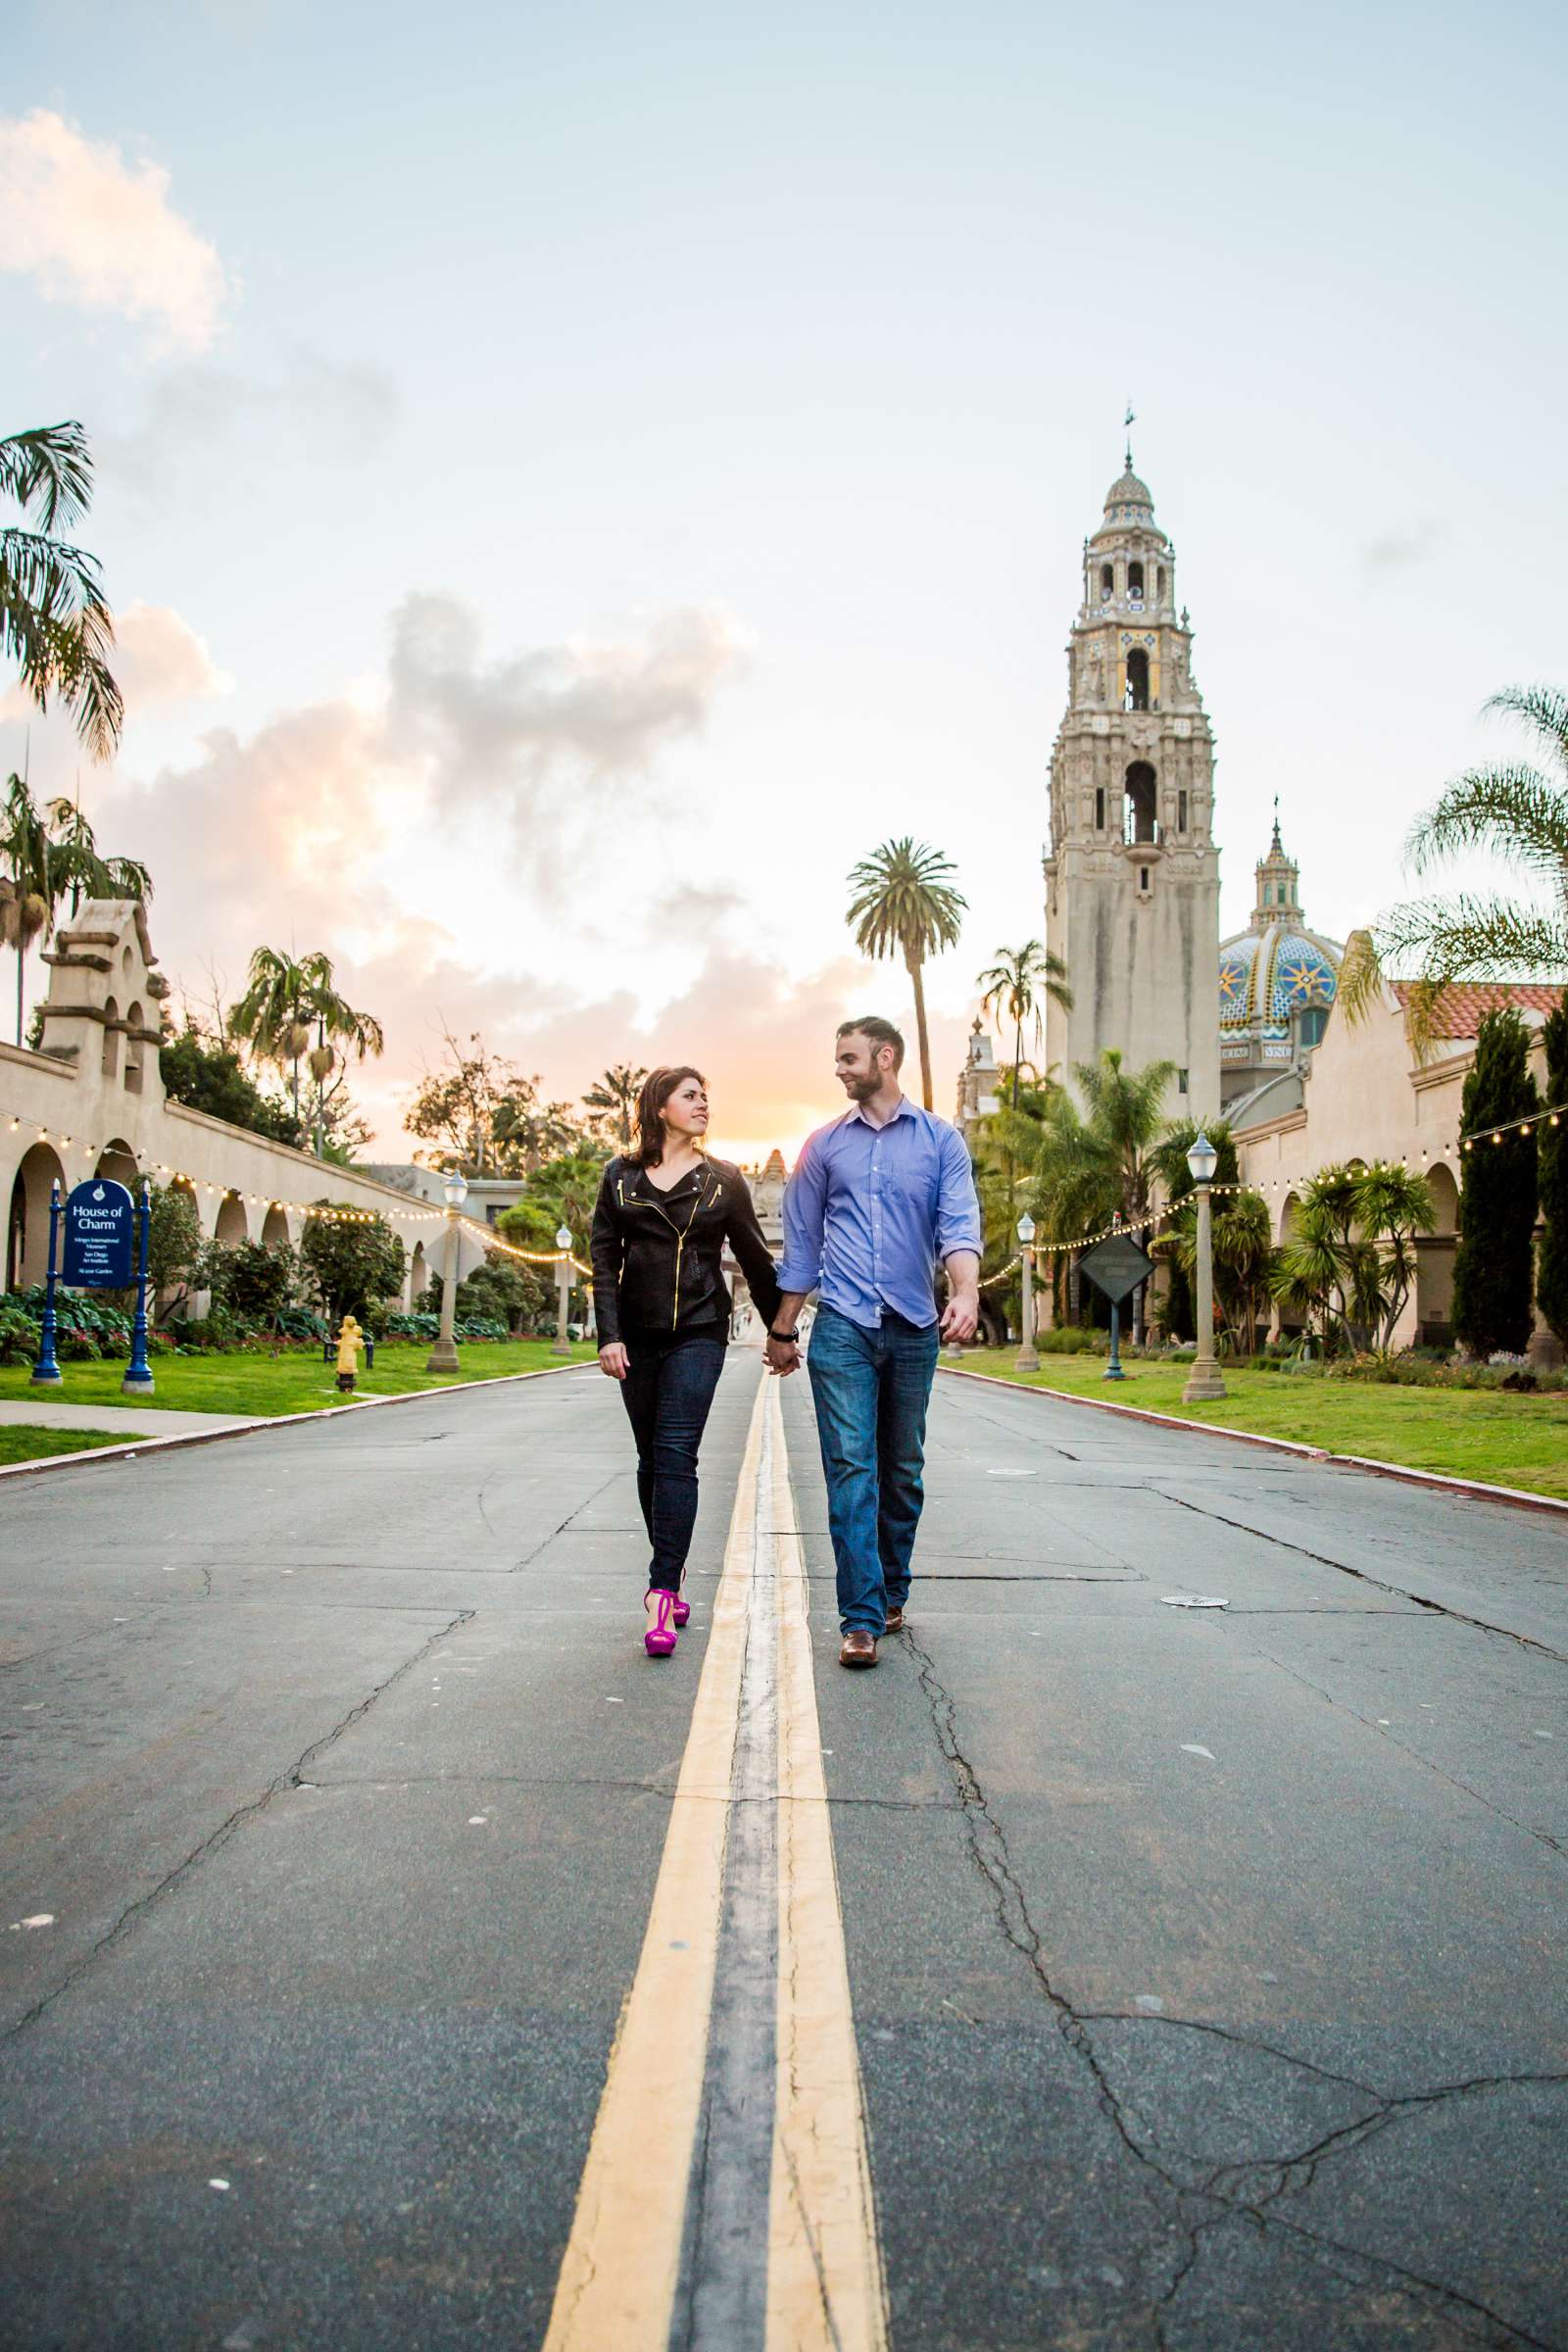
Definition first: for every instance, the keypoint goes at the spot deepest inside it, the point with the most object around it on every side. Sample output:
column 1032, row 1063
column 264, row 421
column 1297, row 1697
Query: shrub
column 1493, row 1273
column 19, row 1334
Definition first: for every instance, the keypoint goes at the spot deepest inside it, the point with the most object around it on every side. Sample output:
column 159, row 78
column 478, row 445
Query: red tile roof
column 1464, row 1003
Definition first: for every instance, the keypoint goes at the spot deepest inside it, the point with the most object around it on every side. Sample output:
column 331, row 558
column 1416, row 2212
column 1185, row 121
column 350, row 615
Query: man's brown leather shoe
column 859, row 1648
column 895, row 1623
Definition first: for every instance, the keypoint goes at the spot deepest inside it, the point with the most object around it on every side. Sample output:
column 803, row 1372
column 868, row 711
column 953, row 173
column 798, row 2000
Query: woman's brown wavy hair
column 657, row 1087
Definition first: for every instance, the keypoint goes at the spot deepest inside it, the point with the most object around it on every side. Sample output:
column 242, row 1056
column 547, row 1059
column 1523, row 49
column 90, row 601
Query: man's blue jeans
column 871, row 1390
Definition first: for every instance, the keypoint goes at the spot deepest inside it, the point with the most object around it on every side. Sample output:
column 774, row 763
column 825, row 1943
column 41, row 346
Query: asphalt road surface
column 1095, row 1972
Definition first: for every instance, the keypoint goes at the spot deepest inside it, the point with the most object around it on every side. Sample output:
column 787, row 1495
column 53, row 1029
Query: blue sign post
column 46, row 1371
column 100, row 1230
column 138, row 1380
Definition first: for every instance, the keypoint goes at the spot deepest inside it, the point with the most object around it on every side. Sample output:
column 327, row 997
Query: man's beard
column 860, row 1090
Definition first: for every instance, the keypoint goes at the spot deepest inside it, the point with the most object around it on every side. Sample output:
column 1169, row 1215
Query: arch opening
column 117, row 1162
column 1135, row 580
column 28, row 1226
column 1138, row 679
column 1108, row 583
column 110, row 1064
column 1139, row 820
column 133, row 1049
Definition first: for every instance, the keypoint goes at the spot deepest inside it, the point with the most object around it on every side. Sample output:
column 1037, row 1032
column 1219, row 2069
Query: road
column 1096, row 1972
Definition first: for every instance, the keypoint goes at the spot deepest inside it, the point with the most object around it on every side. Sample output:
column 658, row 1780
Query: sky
column 573, row 481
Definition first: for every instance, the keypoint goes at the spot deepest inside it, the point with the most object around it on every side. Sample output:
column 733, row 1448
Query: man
column 877, row 1197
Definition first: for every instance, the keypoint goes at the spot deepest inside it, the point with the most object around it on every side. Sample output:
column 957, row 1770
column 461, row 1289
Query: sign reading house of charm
column 1117, row 1266
column 100, row 1230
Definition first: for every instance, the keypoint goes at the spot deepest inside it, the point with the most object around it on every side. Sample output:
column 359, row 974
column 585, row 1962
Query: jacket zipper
column 681, row 1245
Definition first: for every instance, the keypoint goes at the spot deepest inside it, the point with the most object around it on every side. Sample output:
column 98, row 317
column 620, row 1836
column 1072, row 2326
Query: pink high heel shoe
column 683, row 1607
column 660, row 1638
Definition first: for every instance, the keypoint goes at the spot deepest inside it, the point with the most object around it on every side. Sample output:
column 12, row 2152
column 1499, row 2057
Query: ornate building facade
column 1277, row 985
column 1132, row 874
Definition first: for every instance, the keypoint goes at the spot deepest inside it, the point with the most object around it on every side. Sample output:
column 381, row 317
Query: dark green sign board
column 1117, row 1266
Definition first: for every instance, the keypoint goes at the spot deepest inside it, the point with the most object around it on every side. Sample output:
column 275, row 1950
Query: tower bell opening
column 1137, row 816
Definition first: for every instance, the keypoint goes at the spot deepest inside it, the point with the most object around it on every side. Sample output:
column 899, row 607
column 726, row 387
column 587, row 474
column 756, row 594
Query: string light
column 1551, row 1114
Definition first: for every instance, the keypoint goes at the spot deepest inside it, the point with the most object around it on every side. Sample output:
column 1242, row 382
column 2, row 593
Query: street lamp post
column 562, row 1345
column 442, row 1356
column 1028, row 1352
column 1204, row 1380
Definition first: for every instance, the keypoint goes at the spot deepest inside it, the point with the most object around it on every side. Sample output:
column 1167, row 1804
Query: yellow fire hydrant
column 350, row 1342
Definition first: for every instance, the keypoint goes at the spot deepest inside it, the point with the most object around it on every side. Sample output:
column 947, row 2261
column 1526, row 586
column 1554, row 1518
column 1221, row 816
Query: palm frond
column 48, row 472
column 1474, row 937
column 1514, row 812
column 1543, row 709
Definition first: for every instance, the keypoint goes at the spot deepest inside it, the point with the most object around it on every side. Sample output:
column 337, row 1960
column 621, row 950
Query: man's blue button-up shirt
column 870, row 1209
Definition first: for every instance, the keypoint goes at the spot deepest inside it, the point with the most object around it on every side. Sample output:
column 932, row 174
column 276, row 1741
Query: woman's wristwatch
column 784, row 1335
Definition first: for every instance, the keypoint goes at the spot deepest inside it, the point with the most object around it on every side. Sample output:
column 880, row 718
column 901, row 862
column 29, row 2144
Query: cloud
column 158, row 659
column 603, row 706
column 1400, row 548
column 336, row 411
column 94, row 231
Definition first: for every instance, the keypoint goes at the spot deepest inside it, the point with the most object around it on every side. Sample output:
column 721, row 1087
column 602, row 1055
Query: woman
column 663, row 1215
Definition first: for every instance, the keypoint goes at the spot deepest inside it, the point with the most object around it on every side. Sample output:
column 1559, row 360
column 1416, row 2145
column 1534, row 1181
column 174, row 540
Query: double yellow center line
column 726, row 2202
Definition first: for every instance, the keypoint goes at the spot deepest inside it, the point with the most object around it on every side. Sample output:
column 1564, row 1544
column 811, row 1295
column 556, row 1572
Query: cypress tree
column 1494, row 1274
column 1551, row 1277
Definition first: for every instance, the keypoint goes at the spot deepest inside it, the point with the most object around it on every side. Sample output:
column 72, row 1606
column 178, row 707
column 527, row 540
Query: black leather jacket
column 658, row 1256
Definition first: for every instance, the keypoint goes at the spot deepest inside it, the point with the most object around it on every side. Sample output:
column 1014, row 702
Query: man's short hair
column 880, row 1032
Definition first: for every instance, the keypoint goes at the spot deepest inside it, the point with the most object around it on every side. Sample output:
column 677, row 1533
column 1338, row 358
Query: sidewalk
column 42, row 1412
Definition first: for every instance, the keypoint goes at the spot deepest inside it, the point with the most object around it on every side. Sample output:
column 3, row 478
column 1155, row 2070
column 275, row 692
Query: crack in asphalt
column 990, row 1855
column 172, row 1880
column 1252, row 2192
column 1466, row 1788
column 575, row 1512
column 1364, row 1576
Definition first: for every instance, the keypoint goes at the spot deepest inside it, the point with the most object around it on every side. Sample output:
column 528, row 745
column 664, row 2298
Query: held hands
column 961, row 1316
column 612, row 1360
column 783, row 1357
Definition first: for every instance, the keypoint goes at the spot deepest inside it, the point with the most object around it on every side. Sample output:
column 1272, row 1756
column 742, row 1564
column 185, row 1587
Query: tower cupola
column 1279, row 894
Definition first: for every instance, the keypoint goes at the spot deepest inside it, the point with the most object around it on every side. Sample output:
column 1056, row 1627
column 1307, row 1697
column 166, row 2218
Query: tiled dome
column 1129, row 491
column 1266, row 976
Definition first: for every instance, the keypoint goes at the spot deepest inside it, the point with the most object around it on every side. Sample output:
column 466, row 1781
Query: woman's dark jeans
column 667, row 1392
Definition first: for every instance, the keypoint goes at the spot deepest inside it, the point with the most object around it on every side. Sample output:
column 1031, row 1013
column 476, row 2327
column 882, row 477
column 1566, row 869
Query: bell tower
column 1132, row 874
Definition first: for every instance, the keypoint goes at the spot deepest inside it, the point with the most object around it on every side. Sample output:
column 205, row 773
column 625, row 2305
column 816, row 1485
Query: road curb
column 1250, row 1436
column 249, row 1429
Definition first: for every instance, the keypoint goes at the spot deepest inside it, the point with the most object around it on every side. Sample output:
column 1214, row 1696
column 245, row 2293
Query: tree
column 904, row 905
column 55, row 621
column 254, row 1281
column 353, row 1262
column 52, row 850
column 1349, row 1260
column 174, row 1244
column 612, row 1099
column 485, row 1116
column 206, row 1073
column 1513, row 811
column 1090, row 1169
column 1551, row 1274
column 562, row 1192
column 1014, row 985
column 1493, row 1276
column 1169, row 1162
column 286, row 997
column 1243, row 1257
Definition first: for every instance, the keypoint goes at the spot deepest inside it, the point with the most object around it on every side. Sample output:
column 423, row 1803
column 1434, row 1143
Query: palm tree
column 27, row 908
column 52, row 850
column 1243, row 1258
column 1009, row 987
column 1518, row 813
column 79, row 866
column 55, row 621
column 285, row 997
column 1096, row 1166
column 1350, row 1257
column 904, row 905
column 613, row 1099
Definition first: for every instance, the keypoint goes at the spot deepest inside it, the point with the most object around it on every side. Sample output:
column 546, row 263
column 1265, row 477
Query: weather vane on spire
column 1128, row 422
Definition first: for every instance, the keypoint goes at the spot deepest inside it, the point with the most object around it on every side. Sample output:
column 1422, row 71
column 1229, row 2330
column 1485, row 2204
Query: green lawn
column 1507, row 1441
column 21, row 1441
column 293, row 1384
